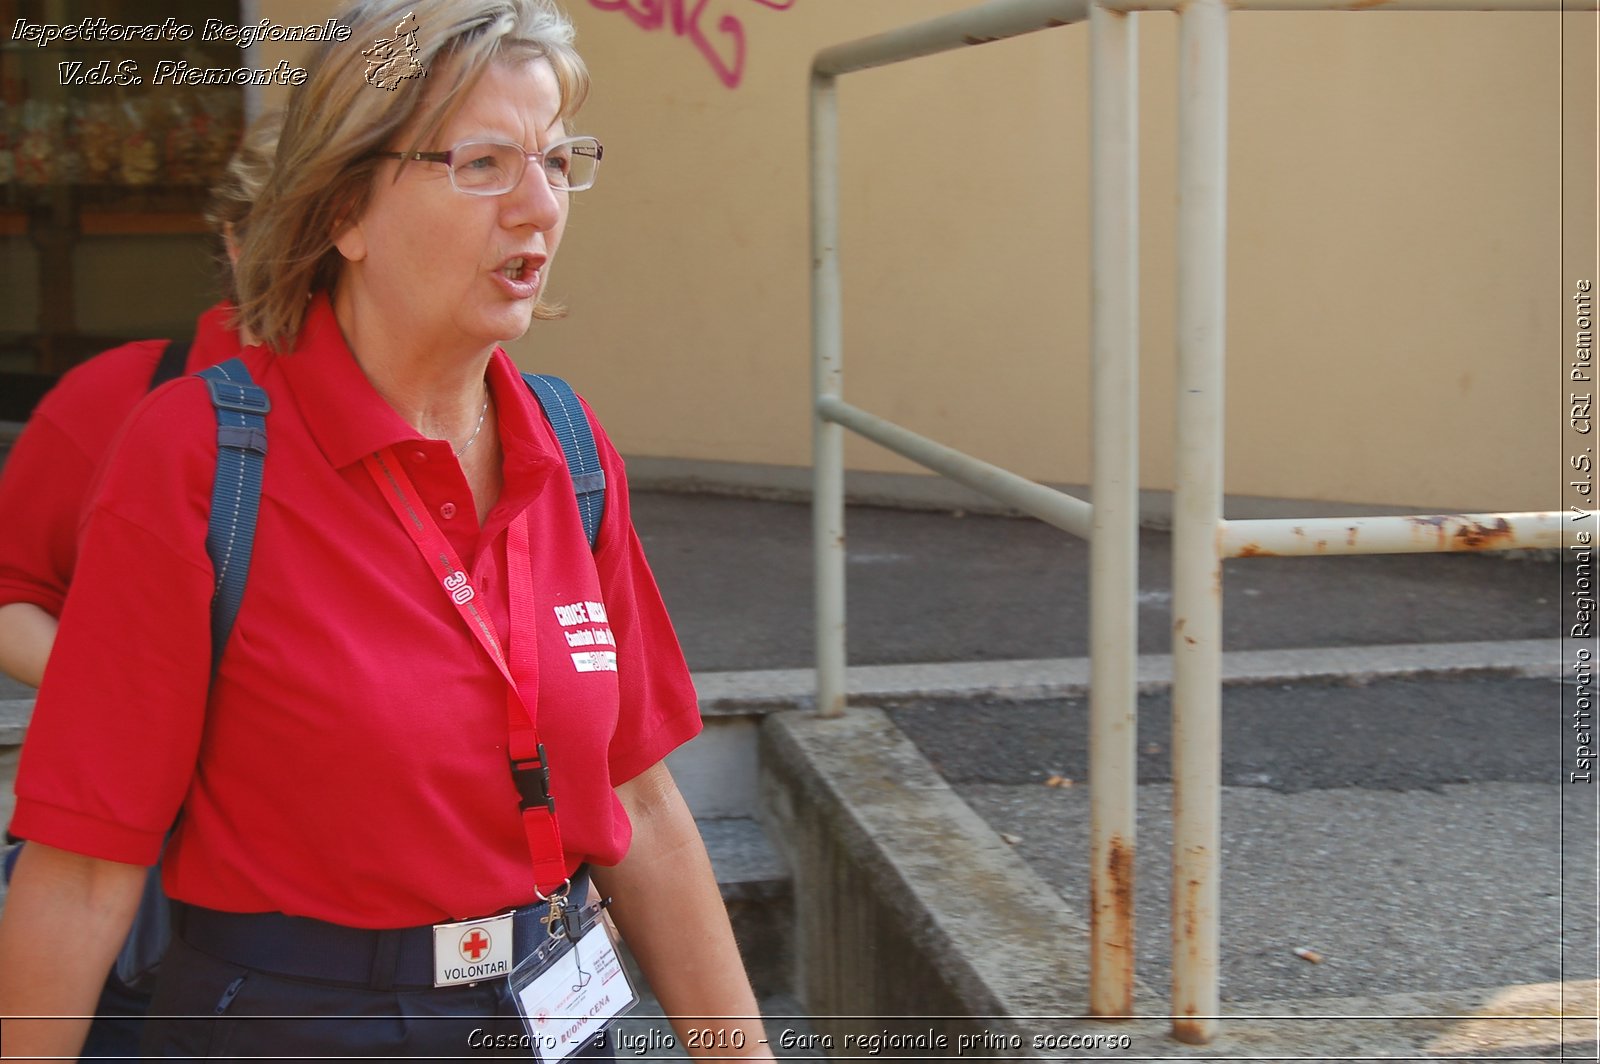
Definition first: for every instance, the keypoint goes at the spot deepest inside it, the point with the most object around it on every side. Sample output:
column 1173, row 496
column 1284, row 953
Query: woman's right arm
column 26, row 635
column 65, row 918
column 44, row 485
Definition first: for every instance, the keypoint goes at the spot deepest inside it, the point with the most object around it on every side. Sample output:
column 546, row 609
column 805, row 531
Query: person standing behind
column 47, row 480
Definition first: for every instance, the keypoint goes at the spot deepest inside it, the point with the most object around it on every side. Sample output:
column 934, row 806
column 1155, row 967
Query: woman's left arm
column 670, row 912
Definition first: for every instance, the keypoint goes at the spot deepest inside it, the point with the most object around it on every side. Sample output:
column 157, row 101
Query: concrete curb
column 907, row 904
column 14, row 714
column 738, row 692
column 1523, row 1022
column 911, row 915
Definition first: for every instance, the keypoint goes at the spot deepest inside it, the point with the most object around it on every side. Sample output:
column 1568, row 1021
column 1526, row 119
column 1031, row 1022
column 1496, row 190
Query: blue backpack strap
column 566, row 416
column 241, row 407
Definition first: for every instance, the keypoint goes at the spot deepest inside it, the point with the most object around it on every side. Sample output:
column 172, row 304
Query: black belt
column 303, row 948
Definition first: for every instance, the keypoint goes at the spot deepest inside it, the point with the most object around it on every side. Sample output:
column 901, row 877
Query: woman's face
column 448, row 269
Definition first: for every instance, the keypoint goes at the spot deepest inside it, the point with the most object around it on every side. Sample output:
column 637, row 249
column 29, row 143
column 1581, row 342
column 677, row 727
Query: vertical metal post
column 1197, row 516
column 1114, row 544
column 827, row 439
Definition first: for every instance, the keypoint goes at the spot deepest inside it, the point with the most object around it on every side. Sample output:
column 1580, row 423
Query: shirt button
column 447, row 511
column 419, row 457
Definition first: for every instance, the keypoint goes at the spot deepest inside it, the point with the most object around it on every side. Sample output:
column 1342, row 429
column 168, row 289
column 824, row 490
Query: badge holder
column 571, row 988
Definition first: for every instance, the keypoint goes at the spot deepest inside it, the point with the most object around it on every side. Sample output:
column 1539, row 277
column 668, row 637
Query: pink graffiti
column 684, row 18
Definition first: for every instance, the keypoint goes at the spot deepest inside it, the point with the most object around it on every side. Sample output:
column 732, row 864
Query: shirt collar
column 349, row 420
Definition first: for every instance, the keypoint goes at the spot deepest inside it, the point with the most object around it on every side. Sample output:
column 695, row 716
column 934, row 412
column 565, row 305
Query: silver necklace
column 479, row 426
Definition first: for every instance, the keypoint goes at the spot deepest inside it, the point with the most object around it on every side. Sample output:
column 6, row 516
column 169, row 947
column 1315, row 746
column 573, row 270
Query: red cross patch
column 475, row 943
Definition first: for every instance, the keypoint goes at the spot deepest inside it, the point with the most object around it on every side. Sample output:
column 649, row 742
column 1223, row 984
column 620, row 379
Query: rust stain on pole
column 1189, row 1028
column 1435, row 523
column 1476, row 536
column 1467, row 534
column 1190, row 909
column 1121, row 873
column 1111, row 929
column 1189, row 921
column 1253, row 550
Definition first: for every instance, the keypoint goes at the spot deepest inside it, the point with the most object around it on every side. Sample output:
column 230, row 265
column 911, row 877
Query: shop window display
column 106, row 155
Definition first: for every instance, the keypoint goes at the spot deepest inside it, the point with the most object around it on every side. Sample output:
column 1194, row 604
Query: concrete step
column 758, row 890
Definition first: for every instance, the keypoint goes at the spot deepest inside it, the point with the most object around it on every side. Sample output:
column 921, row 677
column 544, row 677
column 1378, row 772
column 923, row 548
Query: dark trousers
column 205, row 1007
column 118, row 1021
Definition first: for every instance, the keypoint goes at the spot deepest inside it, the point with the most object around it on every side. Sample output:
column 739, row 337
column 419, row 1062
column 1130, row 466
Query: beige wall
column 1401, row 245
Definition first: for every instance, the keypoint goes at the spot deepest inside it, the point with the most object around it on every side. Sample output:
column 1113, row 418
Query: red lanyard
column 530, row 769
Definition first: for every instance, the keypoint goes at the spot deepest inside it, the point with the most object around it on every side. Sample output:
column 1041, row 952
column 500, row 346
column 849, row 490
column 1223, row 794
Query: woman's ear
column 350, row 240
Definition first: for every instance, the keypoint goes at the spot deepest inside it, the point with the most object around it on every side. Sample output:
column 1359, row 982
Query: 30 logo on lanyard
column 460, row 590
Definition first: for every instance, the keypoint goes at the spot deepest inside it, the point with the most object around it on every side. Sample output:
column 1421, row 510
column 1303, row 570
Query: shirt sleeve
column 42, row 490
column 112, row 746
column 659, row 710
column 50, row 472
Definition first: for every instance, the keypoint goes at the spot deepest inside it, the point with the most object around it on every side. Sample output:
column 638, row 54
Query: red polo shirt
column 46, row 482
column 351, row 763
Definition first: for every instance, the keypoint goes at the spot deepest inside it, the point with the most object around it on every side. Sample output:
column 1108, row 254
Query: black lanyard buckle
column 532, row 780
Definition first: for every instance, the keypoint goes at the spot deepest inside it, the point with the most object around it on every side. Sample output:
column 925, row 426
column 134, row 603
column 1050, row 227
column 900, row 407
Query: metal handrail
column 1066, row 512
column 1201, row 537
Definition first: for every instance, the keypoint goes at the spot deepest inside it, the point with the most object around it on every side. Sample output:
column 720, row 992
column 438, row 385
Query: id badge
column 569, row 990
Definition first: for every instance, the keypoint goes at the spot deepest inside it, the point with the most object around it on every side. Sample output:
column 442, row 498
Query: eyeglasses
column 493, row 167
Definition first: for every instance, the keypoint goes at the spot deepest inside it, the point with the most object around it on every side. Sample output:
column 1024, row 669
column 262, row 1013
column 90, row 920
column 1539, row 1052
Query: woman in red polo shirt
column 423, row 616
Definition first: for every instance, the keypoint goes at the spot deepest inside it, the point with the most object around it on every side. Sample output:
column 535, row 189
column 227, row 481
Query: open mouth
column 518, row 269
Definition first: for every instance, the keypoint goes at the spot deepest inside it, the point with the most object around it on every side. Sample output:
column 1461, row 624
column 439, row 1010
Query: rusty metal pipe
column 827, row 381
column 1412, row 5
column 1421, row 534
column 1569, row 6
column 1114, row 546
column 1197, row 516
column 994, row 21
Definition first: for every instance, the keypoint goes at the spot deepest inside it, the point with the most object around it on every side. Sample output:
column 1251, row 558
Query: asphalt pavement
column 935, row 586
column 1410, row 833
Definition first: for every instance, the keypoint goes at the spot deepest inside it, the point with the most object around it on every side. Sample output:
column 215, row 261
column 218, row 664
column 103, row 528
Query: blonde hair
column 336, row 121
column 237, row 190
